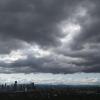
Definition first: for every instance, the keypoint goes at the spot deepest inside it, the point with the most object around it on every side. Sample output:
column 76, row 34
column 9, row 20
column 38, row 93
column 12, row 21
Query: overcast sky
column 49, row 36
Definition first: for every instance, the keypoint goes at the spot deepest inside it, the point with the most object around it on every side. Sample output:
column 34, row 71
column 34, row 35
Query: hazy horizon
column 52, row 79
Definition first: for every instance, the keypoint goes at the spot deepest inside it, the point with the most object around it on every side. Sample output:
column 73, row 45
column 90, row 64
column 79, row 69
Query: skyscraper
column 15, row 86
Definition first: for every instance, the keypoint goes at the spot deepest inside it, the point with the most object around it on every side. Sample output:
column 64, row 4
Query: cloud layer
column 49, row 36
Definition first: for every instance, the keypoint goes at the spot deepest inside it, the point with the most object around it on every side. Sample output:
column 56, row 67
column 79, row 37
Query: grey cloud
column 8, row 45
column 87, row 44
column 26, row 21
column 45, row 65
column 90, row 26
column 34, row 21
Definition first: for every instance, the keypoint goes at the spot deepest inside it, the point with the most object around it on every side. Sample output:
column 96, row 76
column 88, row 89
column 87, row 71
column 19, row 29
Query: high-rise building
column 15, row 86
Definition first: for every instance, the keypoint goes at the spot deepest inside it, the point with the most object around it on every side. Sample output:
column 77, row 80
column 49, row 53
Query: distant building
column 32, row 85
column 5, row 85
column 15, row 86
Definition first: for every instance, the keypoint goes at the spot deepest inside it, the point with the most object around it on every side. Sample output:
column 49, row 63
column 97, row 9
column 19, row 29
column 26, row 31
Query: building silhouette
column 17, row 87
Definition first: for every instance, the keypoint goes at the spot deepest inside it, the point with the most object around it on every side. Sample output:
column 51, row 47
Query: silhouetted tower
column 33, row 85
column 15, row 86
column 2, row 86
column 5, row 85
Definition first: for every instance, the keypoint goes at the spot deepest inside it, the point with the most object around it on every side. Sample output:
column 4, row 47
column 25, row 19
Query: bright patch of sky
column 12, row 56
column 71, row 27
column 33, row 50
column 70, row 30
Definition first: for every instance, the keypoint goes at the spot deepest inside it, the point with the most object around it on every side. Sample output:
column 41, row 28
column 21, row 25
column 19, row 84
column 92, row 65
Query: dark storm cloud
column 45, row 65
column 33, row 21
column 90, row 26
column 7, row 45
column 87, row 44
column 37, row 21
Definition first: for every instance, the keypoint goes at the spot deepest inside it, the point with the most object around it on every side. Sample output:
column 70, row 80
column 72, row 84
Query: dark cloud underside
column 25, row 24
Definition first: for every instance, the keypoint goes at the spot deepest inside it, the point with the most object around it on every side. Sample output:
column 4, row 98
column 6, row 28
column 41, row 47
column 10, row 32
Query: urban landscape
column 17, row 87
column 34, row 91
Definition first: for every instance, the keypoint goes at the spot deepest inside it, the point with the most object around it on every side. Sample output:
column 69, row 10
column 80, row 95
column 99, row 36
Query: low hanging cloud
column 49, row 36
